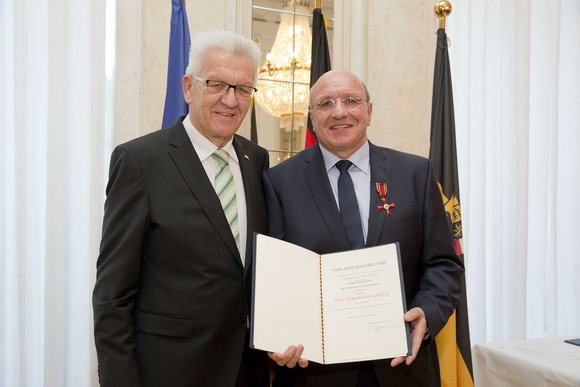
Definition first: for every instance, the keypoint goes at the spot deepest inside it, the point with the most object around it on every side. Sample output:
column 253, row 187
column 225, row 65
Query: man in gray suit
column 171, row 301
column 395, row 198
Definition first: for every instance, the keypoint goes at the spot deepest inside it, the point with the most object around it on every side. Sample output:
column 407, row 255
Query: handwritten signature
column 379, row 326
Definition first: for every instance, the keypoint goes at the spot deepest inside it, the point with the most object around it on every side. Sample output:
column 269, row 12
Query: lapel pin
column 246, row 157
column 382, row 190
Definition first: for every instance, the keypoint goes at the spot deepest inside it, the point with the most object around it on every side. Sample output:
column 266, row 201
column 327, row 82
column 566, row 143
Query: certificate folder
column 343, row 307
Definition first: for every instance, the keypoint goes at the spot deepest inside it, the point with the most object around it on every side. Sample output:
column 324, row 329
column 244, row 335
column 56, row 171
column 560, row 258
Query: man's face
column 343, row 129
column 218, row 117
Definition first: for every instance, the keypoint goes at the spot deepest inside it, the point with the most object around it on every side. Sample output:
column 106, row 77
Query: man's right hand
column 290, row 357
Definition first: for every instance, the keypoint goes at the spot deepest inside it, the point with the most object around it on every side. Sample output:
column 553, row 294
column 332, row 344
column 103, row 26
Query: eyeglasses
column 329, row 104
column 221, row 88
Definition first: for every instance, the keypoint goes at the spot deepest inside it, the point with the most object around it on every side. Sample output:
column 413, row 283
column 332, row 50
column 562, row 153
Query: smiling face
column 341, row 130
column 218, row 117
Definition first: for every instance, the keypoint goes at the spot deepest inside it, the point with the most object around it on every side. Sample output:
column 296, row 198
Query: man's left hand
column 416, row 317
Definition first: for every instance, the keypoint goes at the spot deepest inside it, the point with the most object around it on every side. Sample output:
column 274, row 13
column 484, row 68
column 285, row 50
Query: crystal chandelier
column 289, row 61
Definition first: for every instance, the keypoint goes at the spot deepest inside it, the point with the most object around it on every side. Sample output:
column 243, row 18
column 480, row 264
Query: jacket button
column 243, row 322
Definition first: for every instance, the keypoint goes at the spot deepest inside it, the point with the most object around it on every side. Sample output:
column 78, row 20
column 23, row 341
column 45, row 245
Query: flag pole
column 442, row 9
column 453, row 343
column 318, row 4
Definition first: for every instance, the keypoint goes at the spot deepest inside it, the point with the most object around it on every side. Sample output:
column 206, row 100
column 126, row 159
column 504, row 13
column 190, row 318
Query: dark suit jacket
column 302, row 210
column 172, row 297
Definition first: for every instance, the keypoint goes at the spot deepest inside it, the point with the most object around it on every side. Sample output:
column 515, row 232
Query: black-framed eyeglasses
column 221, row 88
column 329, row 104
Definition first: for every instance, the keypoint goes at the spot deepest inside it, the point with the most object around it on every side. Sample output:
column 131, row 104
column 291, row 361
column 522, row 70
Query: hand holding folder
column 341, row 307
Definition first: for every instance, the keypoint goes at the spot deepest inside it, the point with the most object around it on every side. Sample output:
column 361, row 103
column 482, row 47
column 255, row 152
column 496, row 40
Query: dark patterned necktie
column 349, row 206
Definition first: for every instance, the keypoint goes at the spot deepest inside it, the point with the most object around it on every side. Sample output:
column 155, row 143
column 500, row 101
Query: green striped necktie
column 226, row 191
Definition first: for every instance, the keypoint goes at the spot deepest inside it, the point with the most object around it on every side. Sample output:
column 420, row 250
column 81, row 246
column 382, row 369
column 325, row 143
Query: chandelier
column 287, row 65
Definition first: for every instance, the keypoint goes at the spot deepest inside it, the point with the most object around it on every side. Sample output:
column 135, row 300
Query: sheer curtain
column 52, row 152
column 515, row 67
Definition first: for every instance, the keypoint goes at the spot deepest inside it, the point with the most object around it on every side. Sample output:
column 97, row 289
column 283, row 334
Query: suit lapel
column 188, row 163
column 250, row 183
column 380, row 173
column 317, row 180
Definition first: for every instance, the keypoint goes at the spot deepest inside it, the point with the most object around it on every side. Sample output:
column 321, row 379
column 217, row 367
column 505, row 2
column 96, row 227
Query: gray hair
column 237, row 44
column 368, row 95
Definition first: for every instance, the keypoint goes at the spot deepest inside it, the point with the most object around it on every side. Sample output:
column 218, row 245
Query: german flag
column 254, row 126
column 453, row 344
column 320, row 61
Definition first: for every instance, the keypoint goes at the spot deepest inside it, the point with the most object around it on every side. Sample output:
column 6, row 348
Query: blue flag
column 179, row 43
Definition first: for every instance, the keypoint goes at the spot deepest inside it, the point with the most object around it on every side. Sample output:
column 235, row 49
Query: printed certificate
column 342, row 307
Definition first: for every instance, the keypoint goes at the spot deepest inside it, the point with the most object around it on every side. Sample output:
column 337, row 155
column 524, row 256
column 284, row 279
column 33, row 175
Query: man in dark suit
column 305, row 207
column 171, row 301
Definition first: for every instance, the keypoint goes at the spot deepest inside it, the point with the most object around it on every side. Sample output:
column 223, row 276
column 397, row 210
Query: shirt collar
column 204, row 147
column 360, row 158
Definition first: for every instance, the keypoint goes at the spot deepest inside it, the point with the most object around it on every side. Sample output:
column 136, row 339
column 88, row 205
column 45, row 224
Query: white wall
column 390, row 44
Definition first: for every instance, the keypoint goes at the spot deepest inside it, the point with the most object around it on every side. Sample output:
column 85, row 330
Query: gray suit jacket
column 302, row 210
column 172, row 296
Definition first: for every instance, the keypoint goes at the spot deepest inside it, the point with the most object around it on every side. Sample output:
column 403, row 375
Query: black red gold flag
column 320, row 61
column 453, row 343
column 254, row 127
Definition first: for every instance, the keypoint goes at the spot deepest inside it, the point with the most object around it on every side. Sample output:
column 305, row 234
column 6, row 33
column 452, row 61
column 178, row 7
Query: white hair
column 237, row 44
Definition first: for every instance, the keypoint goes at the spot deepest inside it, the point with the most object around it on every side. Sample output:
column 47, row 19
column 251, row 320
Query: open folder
column 342, row 307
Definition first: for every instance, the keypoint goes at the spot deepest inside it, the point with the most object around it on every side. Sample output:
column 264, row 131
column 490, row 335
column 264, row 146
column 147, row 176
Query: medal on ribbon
column 382, row 190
